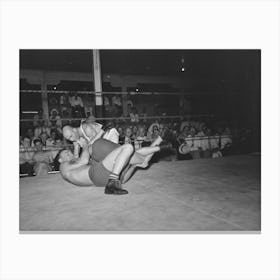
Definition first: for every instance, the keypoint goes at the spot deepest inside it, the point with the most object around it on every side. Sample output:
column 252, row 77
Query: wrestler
column 89, row 131
column 116, row 168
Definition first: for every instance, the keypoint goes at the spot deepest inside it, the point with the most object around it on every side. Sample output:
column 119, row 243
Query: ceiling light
column 183, row 69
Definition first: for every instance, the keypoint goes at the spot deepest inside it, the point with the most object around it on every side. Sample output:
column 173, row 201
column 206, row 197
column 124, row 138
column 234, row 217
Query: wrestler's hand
column 108, row 126
column 83, row 142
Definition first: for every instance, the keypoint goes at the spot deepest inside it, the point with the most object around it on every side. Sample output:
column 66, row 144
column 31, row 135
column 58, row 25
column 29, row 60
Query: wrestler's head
column 70, row 133
column 65, row 155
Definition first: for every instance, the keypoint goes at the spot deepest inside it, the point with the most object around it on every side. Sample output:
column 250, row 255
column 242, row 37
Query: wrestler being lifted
column 113, row 164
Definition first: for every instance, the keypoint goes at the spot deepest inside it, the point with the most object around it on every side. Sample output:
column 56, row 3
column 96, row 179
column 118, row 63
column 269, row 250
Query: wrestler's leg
column 138, row 160
column 117, row 159
column 115, row 162
column 127, row 173
column 144, row 155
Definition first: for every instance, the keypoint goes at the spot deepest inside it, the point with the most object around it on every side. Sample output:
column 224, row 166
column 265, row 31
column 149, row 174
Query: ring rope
column 55, row 148
column 128, row 118
column 111, row 92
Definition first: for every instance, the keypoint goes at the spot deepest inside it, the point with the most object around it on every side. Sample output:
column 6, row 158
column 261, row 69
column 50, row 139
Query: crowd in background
column 192, row 139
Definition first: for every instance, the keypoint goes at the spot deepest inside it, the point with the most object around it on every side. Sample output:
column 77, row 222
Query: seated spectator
column 30, row 134
column 214, row 141
column 42, row 159
column 117, row 103
column 141, row 138
column 216, row 153
column 128, row 136
column 26, row 157
column 144, row 115
column 43, row 138
column 121, row 134
column 151, row 128
column 151, row 136
column 226, row 143
column 56, row 124
column 134, row 117
column 134, row 130
column 195, row 147
column 205, row 144
column 44, row 127
column 51, row 141
column 77, row 106
column 36, row 121
column 183, row 124
column 184, row 134
column 53, row 114
column 64, row 106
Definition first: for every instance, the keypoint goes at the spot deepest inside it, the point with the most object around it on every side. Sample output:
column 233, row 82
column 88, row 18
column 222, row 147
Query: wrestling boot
column 114, row 187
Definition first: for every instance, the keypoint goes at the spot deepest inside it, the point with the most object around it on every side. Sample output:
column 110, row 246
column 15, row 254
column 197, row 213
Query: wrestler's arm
column 94, row 133
column 84, row 158
column 98, row 135
column 81, row 161
column 76, row 149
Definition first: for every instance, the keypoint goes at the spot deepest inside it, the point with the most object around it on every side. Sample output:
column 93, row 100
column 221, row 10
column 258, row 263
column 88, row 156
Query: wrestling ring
column 202, row 195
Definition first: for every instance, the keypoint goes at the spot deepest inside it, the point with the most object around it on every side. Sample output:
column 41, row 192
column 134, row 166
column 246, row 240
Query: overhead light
column 183, row 64
column 137, row 89
column 54, row 88
column 29, row 112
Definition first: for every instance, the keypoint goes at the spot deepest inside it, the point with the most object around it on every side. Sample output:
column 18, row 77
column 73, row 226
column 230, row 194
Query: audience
column 193, row 139
column 26, row 154
column 42, row 159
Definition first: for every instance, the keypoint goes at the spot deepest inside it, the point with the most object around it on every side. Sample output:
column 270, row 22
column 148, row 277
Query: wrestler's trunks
column 98, row 174
column 101, row 148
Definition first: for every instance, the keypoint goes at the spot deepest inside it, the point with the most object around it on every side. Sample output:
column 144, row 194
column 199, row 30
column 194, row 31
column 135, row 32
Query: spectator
column 128, row 136
column 155, row 133
column 184, row 134
column 144, row 115
column 77, row 106
column 64, row 106
column 51, row 141
column 42, row 159
column 121, row 134
column 216, row 153
column 117, row 103
column 134, row 117
column 205, row 143
column 53, row 114
column 26, row 157
column 151, row 128
column 36, row 121
column 45, row 127
column 226, row 142
column 134, row 130
column 141, row 138
column 30, row 135
column 195, row 146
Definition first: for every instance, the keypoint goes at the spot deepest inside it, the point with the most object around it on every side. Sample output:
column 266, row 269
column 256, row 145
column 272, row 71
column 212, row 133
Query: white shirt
column 112, row 135
column 76, row 101
column 225, row 139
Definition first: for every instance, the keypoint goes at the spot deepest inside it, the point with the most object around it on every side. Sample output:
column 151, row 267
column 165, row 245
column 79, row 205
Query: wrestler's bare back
column 77, row 175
